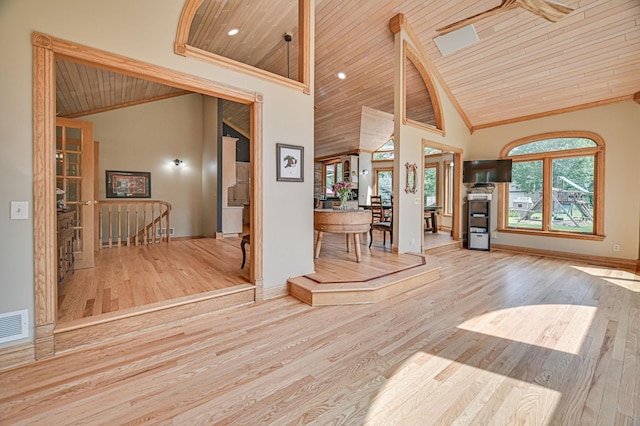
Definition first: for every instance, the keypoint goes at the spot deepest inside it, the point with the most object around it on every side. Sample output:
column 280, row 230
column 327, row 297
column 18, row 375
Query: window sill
column 554, row 234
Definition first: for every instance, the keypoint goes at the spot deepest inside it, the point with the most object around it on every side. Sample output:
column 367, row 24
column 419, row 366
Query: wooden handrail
column 152, row 226
column 133, row 222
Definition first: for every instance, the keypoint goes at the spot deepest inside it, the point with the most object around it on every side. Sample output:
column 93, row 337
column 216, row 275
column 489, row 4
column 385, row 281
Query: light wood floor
column 438, row 239
column 499, row 339
column 130, row 277
column 336, row 265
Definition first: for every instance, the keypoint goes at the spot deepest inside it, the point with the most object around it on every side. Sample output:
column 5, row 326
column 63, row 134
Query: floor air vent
column 14, row 326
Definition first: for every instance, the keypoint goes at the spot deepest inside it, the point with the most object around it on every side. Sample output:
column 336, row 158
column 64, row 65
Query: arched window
column 216, row 30
column 557, row 186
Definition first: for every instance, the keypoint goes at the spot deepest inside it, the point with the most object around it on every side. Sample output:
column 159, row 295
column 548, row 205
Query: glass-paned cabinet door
column 75, row 182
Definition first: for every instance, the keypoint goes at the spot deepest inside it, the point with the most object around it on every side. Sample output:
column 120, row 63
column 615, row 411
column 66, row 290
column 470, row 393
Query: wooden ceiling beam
column 337, row 155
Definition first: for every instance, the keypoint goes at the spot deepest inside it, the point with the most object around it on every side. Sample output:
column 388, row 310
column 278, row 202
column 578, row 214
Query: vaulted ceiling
column 522, row 66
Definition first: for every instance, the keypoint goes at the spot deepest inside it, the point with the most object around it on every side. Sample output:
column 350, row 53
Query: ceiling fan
column 547, row 9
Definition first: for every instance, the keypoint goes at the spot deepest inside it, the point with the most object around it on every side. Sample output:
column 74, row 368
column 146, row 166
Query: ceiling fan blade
column 506, row 5
column 549, row 10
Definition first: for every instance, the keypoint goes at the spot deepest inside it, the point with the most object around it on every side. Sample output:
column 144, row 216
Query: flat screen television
column 486, row 171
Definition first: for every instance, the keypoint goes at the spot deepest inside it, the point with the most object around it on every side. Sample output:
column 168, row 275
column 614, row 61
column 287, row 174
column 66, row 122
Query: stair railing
column 133, row 222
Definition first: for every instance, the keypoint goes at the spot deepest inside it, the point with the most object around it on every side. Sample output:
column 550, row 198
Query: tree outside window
column 384, row 184
column 430, row 185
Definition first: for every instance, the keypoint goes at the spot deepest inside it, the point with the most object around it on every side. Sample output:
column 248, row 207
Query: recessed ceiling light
column 233, row 31
column 342, row 75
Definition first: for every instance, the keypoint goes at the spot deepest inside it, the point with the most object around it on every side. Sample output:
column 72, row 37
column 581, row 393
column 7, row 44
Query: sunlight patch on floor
column 545, row 328
column 409, row 388
column 623, row 279
column 426, row 390
column 536, row 405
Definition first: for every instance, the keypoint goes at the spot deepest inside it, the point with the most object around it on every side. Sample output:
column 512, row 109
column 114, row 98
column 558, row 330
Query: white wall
column 144, row 30
column 145, row 138
column 619, row 125
column 365, row 185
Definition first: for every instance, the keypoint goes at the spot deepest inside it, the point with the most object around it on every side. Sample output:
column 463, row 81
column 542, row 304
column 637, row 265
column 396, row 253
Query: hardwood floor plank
column 129, row 277
column 499, row 338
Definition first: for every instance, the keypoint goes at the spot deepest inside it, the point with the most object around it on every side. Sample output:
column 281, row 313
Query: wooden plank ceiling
column 523, row 65
column 82, row 90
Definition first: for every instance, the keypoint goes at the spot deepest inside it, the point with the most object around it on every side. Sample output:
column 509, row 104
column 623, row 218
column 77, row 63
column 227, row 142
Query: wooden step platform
column 443, row 248
column 97, row 329
column 370, row 281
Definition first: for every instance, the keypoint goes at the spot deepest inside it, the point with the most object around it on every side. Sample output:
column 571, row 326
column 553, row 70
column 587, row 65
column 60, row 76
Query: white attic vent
column 14, row 326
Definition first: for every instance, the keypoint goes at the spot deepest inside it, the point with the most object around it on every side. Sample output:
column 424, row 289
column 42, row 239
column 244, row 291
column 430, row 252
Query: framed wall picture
column 290, row 163
column 128, row 184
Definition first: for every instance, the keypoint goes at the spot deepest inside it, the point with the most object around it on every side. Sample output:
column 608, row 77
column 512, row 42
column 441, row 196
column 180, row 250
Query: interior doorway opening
column 441, row 197
column 128, row 278
column 47, row 50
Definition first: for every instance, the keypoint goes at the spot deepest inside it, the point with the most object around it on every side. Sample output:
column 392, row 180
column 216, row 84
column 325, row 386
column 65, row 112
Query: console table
column 348, row 222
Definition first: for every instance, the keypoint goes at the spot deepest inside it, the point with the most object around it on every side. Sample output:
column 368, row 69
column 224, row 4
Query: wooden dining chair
column 377, row 212
column 379, row 222
column 246, row 239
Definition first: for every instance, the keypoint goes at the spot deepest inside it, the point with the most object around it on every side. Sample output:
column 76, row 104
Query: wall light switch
column 19, row 210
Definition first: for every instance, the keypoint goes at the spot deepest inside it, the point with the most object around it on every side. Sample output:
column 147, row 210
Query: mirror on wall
column 412, row 170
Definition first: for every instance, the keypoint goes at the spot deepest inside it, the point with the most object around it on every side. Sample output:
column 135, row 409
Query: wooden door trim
column 45, row 51
column 96, row 192
column 44, row 237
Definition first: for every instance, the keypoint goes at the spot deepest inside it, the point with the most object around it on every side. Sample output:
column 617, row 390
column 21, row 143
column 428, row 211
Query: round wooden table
column 348, row 222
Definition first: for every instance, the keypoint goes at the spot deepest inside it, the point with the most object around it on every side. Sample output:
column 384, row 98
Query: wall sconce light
column 365, row 172
column 177, row 162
